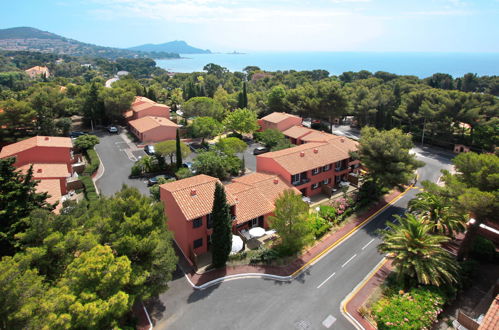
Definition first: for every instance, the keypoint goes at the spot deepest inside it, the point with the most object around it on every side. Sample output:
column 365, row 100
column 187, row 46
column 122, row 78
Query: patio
column 323, row 198
column 253, row 243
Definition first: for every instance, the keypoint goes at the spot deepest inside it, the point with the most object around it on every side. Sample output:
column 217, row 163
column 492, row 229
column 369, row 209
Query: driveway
column 117, row 158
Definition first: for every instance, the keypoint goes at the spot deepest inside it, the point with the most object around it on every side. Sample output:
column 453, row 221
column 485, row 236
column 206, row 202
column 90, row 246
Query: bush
column 183, row 173
column 328, row 213
column 93, row 162
column 319, row 225
column 86, row 142
column 483, row 249
column 90, row 192
column 263, row 255
column 416, row 309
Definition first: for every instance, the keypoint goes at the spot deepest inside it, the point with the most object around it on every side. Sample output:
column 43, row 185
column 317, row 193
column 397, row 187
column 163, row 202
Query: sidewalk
column 302, row 262
column 364, row 292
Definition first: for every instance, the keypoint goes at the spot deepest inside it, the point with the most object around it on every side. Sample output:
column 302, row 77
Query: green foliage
column 263, row 255
column 203, row 107
column 169, row 149
column 178, row 150
column 290, row 221
column 206, row 127
column 16, row 120
column 319, row 225
column 93, row 162
column 183, row 173
column 85, row 142
column 216, row 164
column 386, row 155
column 90, row 191
column 147, row 164
column 483, row 249
column 241, row 121
column 18, row 198
column 327, row 213
column 116, row 101
column 417, row 255
column 271, row 138
column 231, row 145
column 221, row 239
column 416, row 309
column 154, row 189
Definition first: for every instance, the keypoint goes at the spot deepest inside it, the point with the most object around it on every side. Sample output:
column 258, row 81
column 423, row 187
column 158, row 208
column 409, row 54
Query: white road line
column 325, row 280
column 348, row 260
column 368, row 244
column 386, row 228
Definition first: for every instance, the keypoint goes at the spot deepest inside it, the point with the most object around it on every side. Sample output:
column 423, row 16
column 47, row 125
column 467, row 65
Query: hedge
column 90, row 192
column 93, row 162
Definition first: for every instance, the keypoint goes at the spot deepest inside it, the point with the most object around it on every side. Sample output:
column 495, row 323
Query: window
column 254, row 222
column 338, row 165
column 196, row 223
column 316, row 171
column 326, row 181
column 316, row 185
column 326, row 168
column 209, row 221
column 295, row 178
column 198, row 243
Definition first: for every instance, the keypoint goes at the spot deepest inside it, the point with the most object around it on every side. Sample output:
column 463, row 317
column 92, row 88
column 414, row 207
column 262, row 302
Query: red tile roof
column 312, row 155
column 277, row 117
column 491, row 319
column 194, row 196
column 308, row 134
column 53, row 188
column 36, row 141
column 147, row 123
column 47, row 170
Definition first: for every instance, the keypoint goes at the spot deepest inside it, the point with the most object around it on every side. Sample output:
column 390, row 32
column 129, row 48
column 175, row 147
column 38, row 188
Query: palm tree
column 436, row 209
column 417, row 254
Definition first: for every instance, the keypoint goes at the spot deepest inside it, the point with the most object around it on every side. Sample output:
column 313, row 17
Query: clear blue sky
column 275, row 25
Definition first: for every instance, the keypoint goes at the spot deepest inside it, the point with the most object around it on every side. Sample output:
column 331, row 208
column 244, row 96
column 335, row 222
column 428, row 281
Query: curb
column 355, row 291
column 239, row 276
column 99, row 175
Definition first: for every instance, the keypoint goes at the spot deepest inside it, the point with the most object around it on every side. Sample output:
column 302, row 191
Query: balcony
column 300, row 182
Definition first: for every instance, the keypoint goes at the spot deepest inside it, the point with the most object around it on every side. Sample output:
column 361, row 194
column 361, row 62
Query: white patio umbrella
column 257, row 232
column 237, row 244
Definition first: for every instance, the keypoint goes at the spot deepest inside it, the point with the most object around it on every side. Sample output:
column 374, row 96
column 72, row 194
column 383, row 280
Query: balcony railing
column 300, row 182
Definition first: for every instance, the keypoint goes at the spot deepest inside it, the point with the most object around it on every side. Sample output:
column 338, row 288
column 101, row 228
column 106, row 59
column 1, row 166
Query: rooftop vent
column 193, row 192
column 47, row 138
column 276, row 181
column 39, row 170
column 302, row 153
column 316, row 150
column 342, row 140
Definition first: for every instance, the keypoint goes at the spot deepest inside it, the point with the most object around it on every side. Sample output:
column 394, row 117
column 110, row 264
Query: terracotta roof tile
column 53, row 188
column 308, row 134
column 194, row 196
column 277, row 117
column 149, row 122
column 297, row 132
column 36, row 141
column 312, row 155
column 491, row 319
column 47, row 170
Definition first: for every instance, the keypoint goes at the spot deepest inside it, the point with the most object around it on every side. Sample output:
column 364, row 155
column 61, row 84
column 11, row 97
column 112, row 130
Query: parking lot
column 117, row 158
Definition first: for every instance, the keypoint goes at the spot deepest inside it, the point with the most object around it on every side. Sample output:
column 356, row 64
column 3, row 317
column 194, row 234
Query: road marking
column 348, row 260
column 368, row 244
column 328, row 322
column 325, row 280
column 386, row 228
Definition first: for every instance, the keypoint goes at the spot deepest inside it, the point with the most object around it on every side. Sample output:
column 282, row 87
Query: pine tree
column 242, row 98
column 243, row 166
column 178, row 151
column 221, row 238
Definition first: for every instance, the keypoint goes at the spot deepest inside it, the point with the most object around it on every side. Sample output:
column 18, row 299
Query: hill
column 31, row 39
column 177, row 46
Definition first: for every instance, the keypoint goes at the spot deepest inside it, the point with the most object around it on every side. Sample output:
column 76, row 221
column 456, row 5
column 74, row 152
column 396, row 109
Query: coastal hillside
column 31, row 39
column 177, row 46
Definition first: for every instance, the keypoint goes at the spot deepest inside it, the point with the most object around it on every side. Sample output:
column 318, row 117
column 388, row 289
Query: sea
column 401, row 63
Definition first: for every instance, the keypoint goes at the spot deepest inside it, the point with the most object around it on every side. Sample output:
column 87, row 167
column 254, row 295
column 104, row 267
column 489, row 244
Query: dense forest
column 449, row 110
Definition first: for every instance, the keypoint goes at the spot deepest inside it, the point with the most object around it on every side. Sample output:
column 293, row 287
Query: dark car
column 74, row 135
column 154, row 180
column 260, row 150
column 112, row 129
column 149, row 149
column 187, row 165
column 197, row 147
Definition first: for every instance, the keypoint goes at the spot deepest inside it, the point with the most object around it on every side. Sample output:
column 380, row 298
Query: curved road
column 304, row 303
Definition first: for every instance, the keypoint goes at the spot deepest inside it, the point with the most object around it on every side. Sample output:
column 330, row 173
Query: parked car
column 260, row 150
column 149, row 149
column 154, row 180
column 187, row 165
column 74, row 135
column 197, row 147
column 112, row 129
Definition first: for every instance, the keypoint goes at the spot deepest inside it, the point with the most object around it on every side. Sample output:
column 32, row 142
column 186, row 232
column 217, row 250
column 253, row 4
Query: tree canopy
column 206, row 127
column 241, row 121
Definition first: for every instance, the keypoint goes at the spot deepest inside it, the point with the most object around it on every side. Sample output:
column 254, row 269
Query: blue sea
column 418, row 64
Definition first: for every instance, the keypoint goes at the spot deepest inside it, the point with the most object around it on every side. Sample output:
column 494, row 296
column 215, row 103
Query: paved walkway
column 311, row 255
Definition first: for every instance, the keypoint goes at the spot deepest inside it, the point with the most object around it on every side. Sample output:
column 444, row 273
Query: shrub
column 328, row 213
column 263, row 255
column 183, row 173
column 86, row 142
column 483, row 249
column 416, row 309
column 93, row 162
column 319, row 225
column 90, row 192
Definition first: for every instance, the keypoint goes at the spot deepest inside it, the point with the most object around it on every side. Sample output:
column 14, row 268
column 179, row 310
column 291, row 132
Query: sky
column 269, row 25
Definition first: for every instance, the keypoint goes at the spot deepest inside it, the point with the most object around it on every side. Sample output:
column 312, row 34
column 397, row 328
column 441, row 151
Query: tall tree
column 386, row 155
column 243, row 97
column 18, row 197
column 221, row 239
column 417, row 254
column 206, row 127
column 203, row 107
column 178, row 150
column 290, row 221
column 169, row 149
column 241, row 121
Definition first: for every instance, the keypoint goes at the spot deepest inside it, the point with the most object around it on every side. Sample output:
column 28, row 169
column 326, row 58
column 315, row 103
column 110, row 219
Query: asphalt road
column 117, row 159
column 304, row 303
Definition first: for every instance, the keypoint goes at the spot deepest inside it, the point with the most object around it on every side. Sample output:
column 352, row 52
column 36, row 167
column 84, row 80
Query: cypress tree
column 245, row 95
column 221, row 239
column 178, row 151
column 243, row 166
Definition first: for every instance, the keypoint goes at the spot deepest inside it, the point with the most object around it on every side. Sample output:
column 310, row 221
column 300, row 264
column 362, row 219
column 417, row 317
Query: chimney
column 47, row 138
column 193, row 192
column 276, row 181
column 316, row 150
column 302, row 153
column 39, row 170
